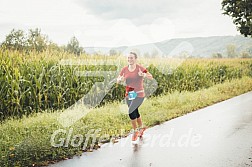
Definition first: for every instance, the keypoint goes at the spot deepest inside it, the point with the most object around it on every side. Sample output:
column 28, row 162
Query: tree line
column 34, row 40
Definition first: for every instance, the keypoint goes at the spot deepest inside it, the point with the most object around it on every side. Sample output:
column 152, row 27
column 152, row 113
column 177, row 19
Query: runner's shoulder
column 124, row 68
column 141, row 67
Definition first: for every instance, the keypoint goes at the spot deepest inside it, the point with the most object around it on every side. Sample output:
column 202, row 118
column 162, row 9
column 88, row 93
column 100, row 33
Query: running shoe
column 135, row 135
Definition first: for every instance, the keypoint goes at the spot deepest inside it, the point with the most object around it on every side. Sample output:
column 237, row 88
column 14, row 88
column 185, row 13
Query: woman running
column 133, row 74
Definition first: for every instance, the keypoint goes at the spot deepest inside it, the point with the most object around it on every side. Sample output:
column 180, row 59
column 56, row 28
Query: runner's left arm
column 146, row 73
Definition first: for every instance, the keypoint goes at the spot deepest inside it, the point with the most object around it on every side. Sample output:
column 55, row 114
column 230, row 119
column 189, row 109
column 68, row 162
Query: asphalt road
column 216, row 136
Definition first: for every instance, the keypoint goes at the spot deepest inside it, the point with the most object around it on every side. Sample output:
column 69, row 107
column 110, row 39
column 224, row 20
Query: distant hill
column 198, row 46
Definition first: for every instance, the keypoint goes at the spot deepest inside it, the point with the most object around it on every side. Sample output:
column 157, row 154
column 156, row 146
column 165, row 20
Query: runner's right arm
column 120, row 78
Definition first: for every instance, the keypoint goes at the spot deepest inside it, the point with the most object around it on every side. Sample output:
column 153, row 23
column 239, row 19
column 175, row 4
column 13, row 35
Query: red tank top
column 133, row 80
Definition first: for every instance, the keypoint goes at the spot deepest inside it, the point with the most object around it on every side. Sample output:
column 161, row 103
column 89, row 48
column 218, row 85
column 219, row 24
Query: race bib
column 132, row 95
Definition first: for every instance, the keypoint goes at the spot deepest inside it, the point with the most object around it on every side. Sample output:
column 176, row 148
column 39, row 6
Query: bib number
column 132, row 95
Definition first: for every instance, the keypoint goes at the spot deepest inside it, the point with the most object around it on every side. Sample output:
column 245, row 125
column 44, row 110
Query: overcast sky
column 116, row 22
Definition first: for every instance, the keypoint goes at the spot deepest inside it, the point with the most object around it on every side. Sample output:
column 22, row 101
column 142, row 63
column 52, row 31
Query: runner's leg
column 132, row 115
column 134, row 106
column 139, row 122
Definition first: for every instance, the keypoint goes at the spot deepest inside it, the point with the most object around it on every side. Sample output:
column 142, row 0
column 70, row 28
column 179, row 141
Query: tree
column 73, row 46
column 37, row 41
column 244, row 54
column 15, row 40
column 53, row 46
column 231, row 51
column 18, row 40
column 217, row 55
column 112, row 52
column 241, row 12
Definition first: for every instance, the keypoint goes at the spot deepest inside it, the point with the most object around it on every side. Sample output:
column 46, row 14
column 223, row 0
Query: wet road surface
column 216, row 136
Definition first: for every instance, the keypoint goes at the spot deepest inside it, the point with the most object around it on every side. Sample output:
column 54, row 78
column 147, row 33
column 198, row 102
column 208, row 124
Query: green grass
column 26, row 141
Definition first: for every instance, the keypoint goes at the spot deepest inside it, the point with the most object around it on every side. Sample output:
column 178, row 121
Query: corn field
column 34, row 82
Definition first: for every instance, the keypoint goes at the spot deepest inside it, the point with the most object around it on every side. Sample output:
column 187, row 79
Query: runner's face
column 131, row 59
